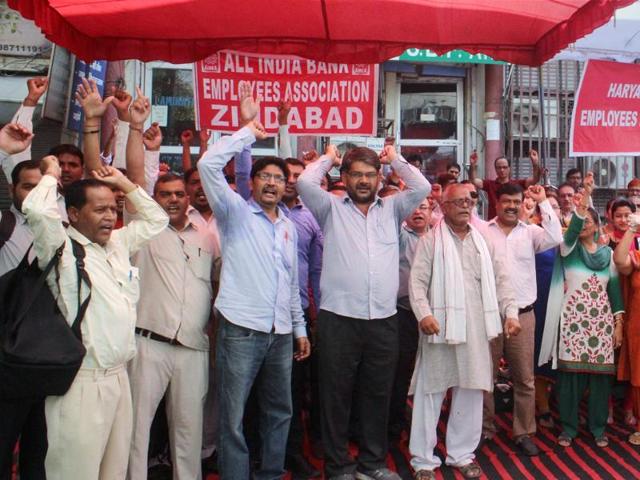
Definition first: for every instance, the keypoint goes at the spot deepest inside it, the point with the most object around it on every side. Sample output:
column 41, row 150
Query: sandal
column 634, row 438
column 564, row 440
column 602, row 441
column 425, row 475
column 629, row 419
column 470, row 470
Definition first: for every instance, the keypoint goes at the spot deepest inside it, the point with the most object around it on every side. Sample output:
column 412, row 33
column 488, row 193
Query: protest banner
column 326, row 98
column 606, row 111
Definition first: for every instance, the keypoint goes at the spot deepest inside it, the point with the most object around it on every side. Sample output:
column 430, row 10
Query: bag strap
column 7, row 226
column 79, row 253
column 41, row 279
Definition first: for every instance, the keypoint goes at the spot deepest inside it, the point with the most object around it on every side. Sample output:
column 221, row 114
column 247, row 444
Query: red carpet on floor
column 500, row 460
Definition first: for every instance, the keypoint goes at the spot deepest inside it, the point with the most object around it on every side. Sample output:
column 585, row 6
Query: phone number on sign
column 22, row 48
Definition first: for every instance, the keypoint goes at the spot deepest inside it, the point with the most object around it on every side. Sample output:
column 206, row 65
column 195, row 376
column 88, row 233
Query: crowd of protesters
column 248, row 301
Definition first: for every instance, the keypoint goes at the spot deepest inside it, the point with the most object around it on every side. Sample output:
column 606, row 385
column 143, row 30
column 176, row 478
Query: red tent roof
column 352, row 31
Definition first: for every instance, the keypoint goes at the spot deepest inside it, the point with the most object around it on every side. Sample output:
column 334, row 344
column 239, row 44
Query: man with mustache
column 172, row 345
column 518, row 243
column 357, row 326
column 414, row 227
column 89, row 428
column 258, row 302
column 460, row 292
column 502, row 166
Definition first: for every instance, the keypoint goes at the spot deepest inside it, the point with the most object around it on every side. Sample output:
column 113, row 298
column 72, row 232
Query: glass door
column 431, row 124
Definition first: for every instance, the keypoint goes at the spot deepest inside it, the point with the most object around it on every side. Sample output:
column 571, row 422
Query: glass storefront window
column 428, row 111
column 434, row 159
column 172, row 89
column 431, row 120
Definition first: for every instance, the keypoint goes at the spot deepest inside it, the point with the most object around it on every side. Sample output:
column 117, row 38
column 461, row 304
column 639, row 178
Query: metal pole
column 543, row 131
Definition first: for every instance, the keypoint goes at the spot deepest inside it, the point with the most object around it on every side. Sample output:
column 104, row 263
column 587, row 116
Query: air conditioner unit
column 611, row 172
column 526, row 121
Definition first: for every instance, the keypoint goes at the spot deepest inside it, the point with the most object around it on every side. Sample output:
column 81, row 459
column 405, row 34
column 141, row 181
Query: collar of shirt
column 84, row 241
column 255, row 208
column 20, row 218
column 377, row 201
column 409, row 229
column 187, row 225
column 494, row 222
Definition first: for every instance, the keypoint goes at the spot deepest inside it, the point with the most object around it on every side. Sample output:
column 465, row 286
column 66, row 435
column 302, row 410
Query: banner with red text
column 326, row 98
column 606, row 113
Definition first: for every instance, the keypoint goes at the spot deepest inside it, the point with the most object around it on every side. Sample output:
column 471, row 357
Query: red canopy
column 351, row 31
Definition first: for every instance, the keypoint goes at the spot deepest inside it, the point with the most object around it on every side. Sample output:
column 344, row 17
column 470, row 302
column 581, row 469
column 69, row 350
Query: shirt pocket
column 131, row 284
column 200, row 261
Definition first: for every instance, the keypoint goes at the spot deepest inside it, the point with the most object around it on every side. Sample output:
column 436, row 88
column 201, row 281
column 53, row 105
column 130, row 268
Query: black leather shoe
column 527, row 446
column 300, row 467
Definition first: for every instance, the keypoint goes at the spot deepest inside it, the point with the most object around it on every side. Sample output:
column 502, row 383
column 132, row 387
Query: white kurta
column 468, row 365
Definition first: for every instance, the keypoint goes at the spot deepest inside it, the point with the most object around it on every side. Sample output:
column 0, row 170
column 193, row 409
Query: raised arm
column 577, row 220
column 537, row 171
column 41, row 210
column 222, row 198
column 242, row 172
column 417, row 186
column 313, row 196
column 622, row 254
column 138, row 114
column 473, row 170
column 14, row 138
column 284, row 140
column 152, row 139
column 150, row 219
column 93, row 107
column 550, row 235
column 185, row 139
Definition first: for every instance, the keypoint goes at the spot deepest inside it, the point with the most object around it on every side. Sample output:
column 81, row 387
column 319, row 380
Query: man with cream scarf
column 460, row 292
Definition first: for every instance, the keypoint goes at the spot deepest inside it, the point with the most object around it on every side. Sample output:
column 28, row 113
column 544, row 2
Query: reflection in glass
column 428, row 111
column 173, row 89
column 434, row 159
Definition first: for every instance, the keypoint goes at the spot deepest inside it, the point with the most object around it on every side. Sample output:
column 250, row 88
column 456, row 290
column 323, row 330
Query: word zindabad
column 608, row 118
column 312, row 118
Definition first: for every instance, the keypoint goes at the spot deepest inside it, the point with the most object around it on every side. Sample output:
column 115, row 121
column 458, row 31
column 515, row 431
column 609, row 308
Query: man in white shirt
column 89, row 428
column 173, row 312
column 518, row 244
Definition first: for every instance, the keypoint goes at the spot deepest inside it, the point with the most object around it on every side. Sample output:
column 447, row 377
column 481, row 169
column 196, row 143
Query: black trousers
column 407, row 347
column 23, row 419
column 300, row 378
column 355, row 355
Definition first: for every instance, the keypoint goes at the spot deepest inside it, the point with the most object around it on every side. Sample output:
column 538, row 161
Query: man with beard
column 459, row 291
column 89, row 427
column 518, row 243
column 258, row 302
column 172, row 344
column 415, row 226
column 357, row 326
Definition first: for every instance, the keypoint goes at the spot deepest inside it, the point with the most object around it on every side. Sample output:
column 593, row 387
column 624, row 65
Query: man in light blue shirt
column 357, row 326
column 258, row 302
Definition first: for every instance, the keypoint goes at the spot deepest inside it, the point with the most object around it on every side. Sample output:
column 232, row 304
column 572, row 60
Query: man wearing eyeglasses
column 258, row 302
column 357, row 324
column 459, row 291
